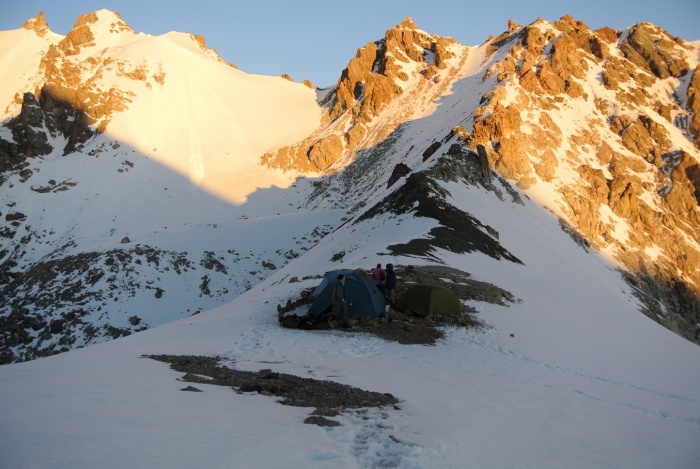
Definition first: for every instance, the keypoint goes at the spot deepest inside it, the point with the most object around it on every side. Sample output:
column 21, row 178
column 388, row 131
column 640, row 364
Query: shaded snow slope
column 571, row 376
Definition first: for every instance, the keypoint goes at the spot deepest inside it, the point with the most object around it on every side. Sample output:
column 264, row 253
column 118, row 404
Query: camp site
column 426, row 297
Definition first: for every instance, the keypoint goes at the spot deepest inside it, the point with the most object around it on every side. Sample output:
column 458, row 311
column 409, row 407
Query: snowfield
column 571, row 376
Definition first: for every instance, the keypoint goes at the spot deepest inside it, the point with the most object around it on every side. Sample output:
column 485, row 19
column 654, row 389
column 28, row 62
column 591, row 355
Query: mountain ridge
column 412, row 99
column 499, row 124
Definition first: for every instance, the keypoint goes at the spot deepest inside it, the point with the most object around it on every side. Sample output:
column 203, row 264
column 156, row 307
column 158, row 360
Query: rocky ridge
column 407, row 69
column 74, row 70
column 595, row 115
column 37, row 24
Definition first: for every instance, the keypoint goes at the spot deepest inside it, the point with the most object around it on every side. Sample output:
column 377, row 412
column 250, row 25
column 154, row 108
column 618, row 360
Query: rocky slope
column 600, row 127
column 626, row 174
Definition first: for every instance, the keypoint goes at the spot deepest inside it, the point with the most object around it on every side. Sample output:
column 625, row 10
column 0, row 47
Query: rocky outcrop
column 400, row 170
column 43, row 120
column 324, row 152
column 27, row 129
column 458, row 231
column 618, row 71
column 81, row 35
column 64, row 83
column 37, row 24
column 371, row 79
column 374, row 78
column 654, row 50
column 520, row 152
column 357, row 71
column 694, row 104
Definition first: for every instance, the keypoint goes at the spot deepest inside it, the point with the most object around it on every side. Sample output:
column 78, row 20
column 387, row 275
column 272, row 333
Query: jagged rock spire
column 37, row 24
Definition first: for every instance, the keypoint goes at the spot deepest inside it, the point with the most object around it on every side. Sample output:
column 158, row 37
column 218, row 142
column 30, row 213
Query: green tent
column 430, row 300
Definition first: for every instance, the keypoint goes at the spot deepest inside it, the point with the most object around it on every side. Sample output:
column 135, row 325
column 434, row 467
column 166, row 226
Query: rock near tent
column 363, row 298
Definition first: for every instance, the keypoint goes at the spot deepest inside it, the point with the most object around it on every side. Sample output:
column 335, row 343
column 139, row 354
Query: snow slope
column 571, row 376
column 21, row 52
column 231, row 117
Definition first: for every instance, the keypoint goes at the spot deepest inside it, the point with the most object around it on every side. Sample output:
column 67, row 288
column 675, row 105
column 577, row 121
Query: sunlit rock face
column 631, row 151
column 379, row 74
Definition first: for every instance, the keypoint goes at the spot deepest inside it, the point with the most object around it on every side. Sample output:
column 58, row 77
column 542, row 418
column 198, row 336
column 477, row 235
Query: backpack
column 291, row 322
column 383, row 275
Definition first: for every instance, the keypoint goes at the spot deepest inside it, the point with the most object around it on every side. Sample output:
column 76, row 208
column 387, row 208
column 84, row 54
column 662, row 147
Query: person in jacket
column 339, row 308
column 390, row 284
column 379, row 276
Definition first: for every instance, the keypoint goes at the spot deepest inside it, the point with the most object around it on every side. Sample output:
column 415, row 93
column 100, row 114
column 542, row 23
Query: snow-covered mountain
column 125, row 142
column 119, row 147
column 143, row 180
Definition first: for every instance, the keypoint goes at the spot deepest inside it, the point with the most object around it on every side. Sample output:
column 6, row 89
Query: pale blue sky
column 314, row 39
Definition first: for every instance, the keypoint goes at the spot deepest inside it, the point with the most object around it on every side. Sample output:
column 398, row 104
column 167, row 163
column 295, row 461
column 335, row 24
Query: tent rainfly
column 430, row 300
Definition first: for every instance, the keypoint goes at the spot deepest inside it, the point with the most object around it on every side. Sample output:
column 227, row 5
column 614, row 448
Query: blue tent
column 363, row 298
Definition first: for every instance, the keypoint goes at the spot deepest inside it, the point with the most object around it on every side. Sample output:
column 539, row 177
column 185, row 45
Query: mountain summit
column 118, row 149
